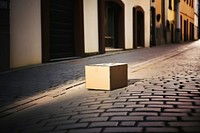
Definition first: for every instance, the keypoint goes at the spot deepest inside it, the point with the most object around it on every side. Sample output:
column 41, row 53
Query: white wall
column 196, row 6
column 196, row 15
column 129, row 4
column 91, row 35
column 128, row 24
column 25, row 32
column 145, row 4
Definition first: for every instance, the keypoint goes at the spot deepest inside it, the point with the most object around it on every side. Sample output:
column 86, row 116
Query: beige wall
column 128, row 24
column 196, row 19
column 91, row 23
column 25, row 29
column 25, row 32
column 91, row 36
column 129, row 5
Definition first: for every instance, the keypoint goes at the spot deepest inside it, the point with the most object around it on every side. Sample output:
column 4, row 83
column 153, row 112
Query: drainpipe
column 178, row 23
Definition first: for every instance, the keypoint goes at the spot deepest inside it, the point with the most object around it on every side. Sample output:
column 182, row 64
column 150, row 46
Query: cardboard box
column 107, row 76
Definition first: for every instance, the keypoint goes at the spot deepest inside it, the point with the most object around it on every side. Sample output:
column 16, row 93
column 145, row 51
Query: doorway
column 153, row 27
column 172, row 33
column 185, row 30
column 62, row 29
column 111, row 25
column 138, row 27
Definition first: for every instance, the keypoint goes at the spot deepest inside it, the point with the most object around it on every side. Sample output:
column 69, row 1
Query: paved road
column 163, row 95
column 23, row 83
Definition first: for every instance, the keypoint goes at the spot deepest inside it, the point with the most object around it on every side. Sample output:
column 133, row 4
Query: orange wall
column 158, row 4
column 187, row 13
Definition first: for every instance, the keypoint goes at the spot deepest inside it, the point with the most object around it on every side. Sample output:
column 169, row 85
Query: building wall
column 196, row 15
column 129, row 5
column 25, row 33
column 171, row 22
column 26, row 37
column 145, row 4
column 25, row 26
column 199, row 18
column 91, row 35
column 160, row 23
column 128, row 24
column 187, row 16
column 171, row 13
column 158, row 7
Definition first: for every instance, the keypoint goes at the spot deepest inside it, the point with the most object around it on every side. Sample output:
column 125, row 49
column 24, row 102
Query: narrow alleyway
column 26, row 82
column 163, row 95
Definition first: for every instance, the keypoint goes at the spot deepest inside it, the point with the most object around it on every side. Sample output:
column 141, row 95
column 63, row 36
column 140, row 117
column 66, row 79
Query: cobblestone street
column 163, row 95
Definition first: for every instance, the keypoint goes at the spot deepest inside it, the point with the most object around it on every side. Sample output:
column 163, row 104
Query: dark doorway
column 181, row 28
column 62, row 29
column 138, row 27
column 4, row 36
column 111, row 24
column 185, row 30
column 172, row 33
column 153, row 27
column 191, row 31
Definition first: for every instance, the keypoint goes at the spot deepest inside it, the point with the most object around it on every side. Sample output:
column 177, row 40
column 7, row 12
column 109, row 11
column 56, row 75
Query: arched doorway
column 62, row 29
column 111, row 24
column 138, row 27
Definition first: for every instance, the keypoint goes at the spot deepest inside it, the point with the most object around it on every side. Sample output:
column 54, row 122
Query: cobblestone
column 160, row 97
column 161, row 118
column 148, row 109
column 127, row 118
column 151, row 124
column 162, row 130
column 71, row 126
column 104, row 124
column 122, row 130
column 95, row 119
column 128, row 124
column 91, row 130
column 85, row 116
column 143, row 114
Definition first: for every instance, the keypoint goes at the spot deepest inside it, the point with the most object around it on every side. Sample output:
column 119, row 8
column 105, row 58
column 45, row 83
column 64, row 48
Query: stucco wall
column 91, row 26
column 128, row 24
column 171, row 12
column 25, row 32
column 187, row 15
column 189, row 12
column 158, row 8
column 196, row 21
column 145, row 4
column 129, row 5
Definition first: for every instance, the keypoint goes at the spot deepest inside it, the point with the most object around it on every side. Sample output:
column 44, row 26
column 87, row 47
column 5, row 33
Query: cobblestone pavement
column 163, row 96
column 23, row 83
